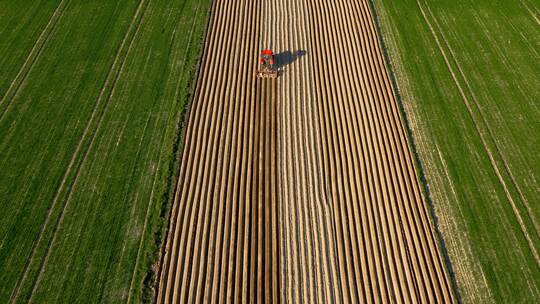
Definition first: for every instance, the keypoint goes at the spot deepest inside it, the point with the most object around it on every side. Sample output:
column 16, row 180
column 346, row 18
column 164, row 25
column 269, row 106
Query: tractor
column 267, row 68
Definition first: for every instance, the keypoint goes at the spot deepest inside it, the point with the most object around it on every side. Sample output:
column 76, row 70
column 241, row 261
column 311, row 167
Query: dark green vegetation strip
column 468, row 73
column 92, row 100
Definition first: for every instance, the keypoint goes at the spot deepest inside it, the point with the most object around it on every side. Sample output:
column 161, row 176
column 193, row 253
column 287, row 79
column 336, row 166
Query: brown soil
column 300, row 189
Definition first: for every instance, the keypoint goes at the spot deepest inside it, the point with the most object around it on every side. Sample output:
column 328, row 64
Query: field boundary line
column 112, row 77
column 32, row 57
column 160, row 158
column 172, row 215
column 482, row 138
column 417, row 165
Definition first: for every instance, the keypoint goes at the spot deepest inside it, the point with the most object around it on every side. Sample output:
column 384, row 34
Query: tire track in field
column 105, row 94
column 533, row 14
column 490, row 154
column 32, row 57
column 135, row 24
column 490, row 133
column 346, row 220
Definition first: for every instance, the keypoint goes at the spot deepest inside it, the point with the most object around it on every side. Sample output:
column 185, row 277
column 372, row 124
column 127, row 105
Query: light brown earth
column 300, row 189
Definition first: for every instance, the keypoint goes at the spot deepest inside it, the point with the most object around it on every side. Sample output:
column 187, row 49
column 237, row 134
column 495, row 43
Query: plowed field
column 300, row 189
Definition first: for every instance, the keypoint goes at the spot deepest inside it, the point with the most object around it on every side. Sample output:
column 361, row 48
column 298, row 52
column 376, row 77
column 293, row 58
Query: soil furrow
column 300, row 189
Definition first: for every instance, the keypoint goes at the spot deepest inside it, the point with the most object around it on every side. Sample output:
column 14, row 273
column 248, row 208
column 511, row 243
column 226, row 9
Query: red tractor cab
column 266, row 57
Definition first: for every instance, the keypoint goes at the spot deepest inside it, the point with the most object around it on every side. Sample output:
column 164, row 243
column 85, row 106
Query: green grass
column 21, row 23
column 474, row 117
column 88, row 143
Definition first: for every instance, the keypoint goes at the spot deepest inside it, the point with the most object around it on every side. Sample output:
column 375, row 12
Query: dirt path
column 300, row 189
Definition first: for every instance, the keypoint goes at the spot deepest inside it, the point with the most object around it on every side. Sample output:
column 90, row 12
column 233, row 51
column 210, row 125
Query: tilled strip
column 222, row 242
column 355, row 226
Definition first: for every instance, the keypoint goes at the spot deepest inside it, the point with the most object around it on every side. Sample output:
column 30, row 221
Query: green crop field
column 468, row 75
column 93, row 94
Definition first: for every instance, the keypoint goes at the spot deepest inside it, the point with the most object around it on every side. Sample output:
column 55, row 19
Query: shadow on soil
column 287, row 57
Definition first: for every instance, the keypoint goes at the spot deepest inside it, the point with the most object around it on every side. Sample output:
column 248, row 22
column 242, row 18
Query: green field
column 93, row 94
column 468, row 76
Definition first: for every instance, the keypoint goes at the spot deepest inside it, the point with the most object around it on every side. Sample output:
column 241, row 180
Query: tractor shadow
column 286, row 58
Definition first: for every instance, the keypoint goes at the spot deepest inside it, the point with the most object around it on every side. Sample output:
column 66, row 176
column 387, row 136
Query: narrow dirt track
column 300, row 189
